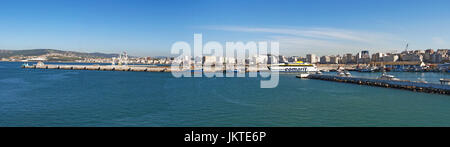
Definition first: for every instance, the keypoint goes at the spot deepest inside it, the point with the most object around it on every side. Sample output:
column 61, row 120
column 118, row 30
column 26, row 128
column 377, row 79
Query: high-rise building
column 311, row 58
column 377, row 57
column 363, row 57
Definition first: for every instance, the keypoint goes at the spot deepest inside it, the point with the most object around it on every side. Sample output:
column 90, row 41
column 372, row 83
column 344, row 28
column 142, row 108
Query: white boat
column 385, row 76
column 303, row 75
column 344, row 73
column 294, row 67
column 348, row 74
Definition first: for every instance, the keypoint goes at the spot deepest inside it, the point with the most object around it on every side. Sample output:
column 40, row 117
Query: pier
column 445, row 81
column 137, row 68
column 397, row 84
column 101, row 67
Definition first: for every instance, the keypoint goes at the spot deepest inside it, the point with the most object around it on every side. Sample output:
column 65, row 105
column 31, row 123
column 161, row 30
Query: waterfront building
column 334, row 59
column 402, row 65
column 348, row 59
column 363, row 57
column 209, row 60
column 412, row 57
column 294, row 59
column 390, row 58
column 377, row 57
column 325, row 59
column 311, row 58
column 230, row 60
column 260, row 59
column 427, row 55
column 282, row 59
column 272, row 59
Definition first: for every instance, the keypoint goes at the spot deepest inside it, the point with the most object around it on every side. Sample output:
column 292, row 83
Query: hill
column 39, row 52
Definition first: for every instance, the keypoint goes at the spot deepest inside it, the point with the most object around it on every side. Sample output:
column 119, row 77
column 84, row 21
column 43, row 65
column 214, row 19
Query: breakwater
column 397, row 84
column 138, row 68
column 101, row 67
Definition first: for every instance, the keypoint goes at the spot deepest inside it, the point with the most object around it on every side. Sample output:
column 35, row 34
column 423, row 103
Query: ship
column 294, row 67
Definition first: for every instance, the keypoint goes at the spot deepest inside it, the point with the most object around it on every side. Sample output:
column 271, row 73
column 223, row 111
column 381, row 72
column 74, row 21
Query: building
column 412, row 57
column 260, row 59
column 311, row 58
column 363, row 57
column 230, row 60
column 294, row 59
column 348, row 59
column 377, row 57
column 402, row 65
column 209, row 60
column 334, row 59
column 325, row 60
column 272, row 59
column 282, row 59
column 390, row 58
column 427, row 55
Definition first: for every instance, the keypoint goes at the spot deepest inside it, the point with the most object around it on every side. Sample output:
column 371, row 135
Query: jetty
column 445, row 81
column 397, row 84
column 136, row 68
column 101, row 67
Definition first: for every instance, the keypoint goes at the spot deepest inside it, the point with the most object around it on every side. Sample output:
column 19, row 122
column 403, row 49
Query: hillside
column 39, row 52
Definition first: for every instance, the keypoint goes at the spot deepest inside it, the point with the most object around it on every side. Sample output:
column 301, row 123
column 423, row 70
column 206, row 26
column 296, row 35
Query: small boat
column 385, row 76
column 344, row 73
column 347, row 74
column 367, row 69
column 341, row 73
column 25, row 65
column 302, row 75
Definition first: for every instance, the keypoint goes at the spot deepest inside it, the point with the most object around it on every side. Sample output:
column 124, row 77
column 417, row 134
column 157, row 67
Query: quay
column 397, row 84
column 136, row 68
column 445, row 81
column 100, row 67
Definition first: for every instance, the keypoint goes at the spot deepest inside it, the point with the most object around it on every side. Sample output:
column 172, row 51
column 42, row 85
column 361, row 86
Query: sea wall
column 406, row 85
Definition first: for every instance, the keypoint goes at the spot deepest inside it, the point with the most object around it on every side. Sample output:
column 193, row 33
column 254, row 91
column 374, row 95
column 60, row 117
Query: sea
column 51, row 97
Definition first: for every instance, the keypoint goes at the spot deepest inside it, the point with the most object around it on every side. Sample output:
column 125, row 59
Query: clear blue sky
column 149, row 27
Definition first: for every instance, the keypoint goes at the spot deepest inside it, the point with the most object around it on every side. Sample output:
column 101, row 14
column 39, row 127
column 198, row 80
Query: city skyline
column 149, row 28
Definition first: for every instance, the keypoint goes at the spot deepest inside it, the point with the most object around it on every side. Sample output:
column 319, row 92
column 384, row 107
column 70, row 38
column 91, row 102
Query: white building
column 311, row 58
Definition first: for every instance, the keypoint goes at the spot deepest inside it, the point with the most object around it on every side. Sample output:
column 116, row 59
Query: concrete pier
column 406, row 85
column 102, row 67
column 139, row 68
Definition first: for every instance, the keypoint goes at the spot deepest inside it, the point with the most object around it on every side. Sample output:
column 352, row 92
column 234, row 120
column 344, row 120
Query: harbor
column 157, row 99
column 343, row 76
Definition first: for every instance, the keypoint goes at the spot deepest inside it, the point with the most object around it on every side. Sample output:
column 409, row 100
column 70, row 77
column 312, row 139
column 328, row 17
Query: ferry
column 294, row 67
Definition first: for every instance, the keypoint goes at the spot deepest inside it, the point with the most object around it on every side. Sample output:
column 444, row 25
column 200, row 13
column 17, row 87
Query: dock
column 136, row 68
column 445, row 81
column 101, row 67
column 397, row 84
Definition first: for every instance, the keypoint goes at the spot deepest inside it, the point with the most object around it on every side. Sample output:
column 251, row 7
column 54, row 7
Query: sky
column 150, row 27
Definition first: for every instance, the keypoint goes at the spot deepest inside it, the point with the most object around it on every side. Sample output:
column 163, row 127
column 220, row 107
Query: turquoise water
column 37, row 97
